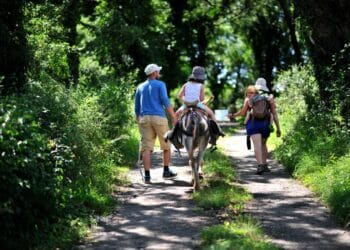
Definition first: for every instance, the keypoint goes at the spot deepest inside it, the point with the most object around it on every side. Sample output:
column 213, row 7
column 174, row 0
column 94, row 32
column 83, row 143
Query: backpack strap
column 257, row 98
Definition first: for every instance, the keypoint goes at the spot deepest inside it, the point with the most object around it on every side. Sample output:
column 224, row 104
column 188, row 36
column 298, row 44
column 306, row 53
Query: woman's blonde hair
column 251, row 88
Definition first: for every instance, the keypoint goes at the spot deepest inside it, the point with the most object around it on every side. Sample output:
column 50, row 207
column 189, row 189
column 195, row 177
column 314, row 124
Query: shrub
column 31, row 193
column 315, row 143
column 60, row 151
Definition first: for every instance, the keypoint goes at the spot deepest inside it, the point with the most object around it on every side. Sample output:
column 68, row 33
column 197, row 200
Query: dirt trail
column 160, row 215
column 289, row 213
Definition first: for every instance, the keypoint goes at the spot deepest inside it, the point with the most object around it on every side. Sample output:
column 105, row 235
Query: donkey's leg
column 200, row 169
column 190, row 162
column 195, row 168
column 201, row 159
column 191, row 165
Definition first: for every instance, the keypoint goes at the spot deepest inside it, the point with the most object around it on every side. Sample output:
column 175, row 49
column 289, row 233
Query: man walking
column 151, row 99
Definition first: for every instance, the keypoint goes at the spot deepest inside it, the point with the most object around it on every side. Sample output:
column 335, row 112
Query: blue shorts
column 258, row 127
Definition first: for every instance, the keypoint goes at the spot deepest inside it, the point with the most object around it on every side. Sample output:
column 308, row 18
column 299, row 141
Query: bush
column 60, row 154
column 315, row 141
column 31, row 190
column 116, row 102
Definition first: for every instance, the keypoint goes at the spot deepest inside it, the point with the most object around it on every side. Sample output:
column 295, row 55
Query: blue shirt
column 151, row 98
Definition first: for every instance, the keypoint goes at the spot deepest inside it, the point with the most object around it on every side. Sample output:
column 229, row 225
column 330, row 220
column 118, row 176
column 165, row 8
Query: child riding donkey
column 192, row 95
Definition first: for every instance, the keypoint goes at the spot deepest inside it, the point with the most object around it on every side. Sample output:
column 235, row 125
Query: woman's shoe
column 266, row 168
column 260, row 169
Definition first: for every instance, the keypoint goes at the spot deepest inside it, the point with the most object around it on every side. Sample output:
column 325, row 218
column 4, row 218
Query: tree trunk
column 329, row 33
column 13, row 51
column 291, row 26
column 71, row 17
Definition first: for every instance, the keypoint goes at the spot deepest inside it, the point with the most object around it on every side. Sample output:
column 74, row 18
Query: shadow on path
column 160, row 215
column 289, row 213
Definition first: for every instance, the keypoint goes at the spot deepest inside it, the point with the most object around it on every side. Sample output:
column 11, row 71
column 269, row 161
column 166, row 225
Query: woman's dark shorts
column 258, row 127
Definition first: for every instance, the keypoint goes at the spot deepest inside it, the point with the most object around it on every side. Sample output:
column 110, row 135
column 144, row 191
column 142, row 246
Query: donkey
column 195, row 137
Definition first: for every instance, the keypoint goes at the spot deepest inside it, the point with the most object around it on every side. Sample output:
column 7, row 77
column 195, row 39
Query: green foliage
column 45, row 38
column 60, row 152
column 328, row 50
column 219, row 192
column 339, row 87
column 218, row 165
column 32, row 193
column 242, row 233
column 315, row 143
column 220, row 195
column 124, row 37
column 294, row 85
column 118, row 118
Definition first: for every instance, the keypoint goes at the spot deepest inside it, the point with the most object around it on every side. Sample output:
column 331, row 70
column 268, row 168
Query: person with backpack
column 263, row 90
column 260, row 108
column 250, row 91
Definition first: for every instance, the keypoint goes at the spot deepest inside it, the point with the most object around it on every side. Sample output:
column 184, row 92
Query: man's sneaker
column 260, row 169
column 169, row 174
column 147, row 179
column 266, row 168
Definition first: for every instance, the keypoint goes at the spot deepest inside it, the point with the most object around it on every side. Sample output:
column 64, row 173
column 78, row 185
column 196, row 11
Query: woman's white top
column 192, row 91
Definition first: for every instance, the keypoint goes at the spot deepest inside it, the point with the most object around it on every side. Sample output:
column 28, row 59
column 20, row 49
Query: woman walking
column 259, row 129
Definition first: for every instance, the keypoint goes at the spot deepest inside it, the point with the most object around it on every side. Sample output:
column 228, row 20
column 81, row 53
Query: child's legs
column 179, row 111
column 211, row 114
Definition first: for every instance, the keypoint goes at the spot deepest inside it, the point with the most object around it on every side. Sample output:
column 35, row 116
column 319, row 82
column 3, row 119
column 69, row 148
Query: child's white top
column 192, row 91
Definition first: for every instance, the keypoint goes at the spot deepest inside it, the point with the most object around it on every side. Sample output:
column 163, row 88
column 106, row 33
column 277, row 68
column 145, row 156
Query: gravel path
column 160, row 215
column 289, row 213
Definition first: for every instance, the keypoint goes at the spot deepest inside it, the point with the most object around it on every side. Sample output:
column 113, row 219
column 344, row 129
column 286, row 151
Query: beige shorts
column 151, row 127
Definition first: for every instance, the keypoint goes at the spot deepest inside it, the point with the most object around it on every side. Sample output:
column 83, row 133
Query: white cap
column 150, row 68
column 260, row 84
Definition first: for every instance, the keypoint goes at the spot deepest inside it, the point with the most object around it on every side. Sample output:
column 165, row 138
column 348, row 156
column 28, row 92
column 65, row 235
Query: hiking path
column 289, row 213
column 161, row 215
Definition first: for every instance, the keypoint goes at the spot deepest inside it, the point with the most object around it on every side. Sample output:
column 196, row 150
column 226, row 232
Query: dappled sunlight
column 289, row 213
column 159, row 215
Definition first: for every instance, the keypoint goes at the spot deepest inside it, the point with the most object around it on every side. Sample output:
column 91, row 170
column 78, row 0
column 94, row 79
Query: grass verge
column 237, row 231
